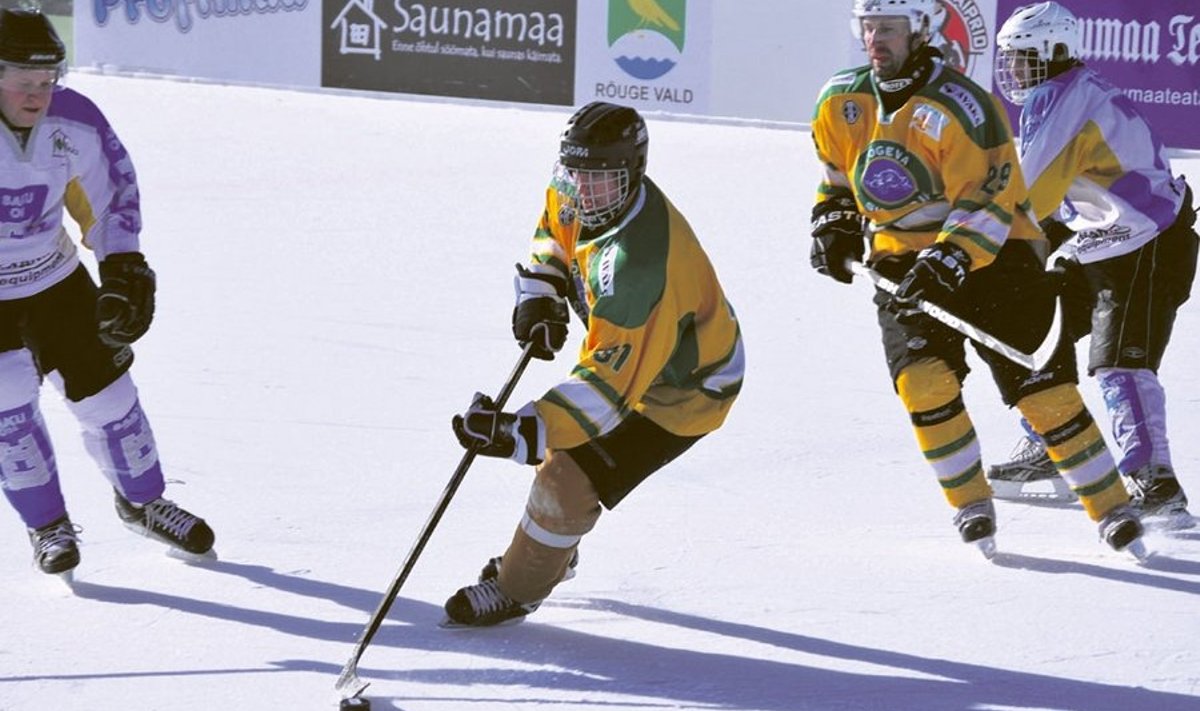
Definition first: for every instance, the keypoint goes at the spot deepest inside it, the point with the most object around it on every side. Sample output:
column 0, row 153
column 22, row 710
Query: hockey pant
column 115, row 432
column 563, row 506
column 932, row 394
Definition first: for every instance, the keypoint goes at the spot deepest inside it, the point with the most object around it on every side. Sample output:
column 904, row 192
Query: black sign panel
column 504, row 50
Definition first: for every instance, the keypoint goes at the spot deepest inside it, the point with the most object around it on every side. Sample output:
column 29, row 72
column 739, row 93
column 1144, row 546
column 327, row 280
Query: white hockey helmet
column 919, row 13
column 1032, row 37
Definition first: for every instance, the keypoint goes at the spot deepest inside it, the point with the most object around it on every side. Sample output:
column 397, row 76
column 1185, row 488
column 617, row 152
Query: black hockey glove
column 541, row 315
column 837, row 230
column 519, row 437
column 125, row 306
column 1056, row 232
column 940, row 269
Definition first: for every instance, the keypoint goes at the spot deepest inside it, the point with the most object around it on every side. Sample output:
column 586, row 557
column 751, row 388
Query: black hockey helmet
column 606, row 138
column 27, row 39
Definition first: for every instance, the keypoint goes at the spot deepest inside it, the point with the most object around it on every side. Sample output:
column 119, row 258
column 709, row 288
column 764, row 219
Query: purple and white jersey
column 74, row 161
column 1093, row 163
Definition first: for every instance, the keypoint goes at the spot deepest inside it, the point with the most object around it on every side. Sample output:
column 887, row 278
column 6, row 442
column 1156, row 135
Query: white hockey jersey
column 1093, row 163
column 72, row 161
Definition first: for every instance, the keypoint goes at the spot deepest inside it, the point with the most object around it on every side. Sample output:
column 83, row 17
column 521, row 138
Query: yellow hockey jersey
column 942, row 167
column 662, row 340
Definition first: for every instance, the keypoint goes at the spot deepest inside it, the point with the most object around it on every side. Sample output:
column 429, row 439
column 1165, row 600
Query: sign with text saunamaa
column 502, row 50
column 1151, row 50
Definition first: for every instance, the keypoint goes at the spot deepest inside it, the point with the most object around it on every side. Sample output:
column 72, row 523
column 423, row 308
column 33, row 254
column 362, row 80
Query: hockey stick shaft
column 1037, row 360
column 348, row 684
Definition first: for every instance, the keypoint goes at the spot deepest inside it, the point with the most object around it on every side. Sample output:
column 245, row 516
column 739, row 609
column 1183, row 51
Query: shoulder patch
column 930, row 120
column 974, row 111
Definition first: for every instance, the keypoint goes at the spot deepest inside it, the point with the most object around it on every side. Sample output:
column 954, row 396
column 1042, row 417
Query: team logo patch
column 61, row 145
column 889, row 176
column 851, row 111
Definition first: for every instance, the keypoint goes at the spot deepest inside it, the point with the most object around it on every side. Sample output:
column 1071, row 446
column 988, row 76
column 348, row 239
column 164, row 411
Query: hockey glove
column 540, row 316
column 939, row 271
column 1056, row 232
column 125, row 306
column 837, row 230
column 520, row 437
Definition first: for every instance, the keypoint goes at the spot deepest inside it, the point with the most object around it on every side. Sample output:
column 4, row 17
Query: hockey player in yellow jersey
column 659, row 367
column 920, row 160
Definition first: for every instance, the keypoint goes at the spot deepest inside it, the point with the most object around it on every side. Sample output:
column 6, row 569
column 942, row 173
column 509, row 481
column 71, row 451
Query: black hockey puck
column 355, row 703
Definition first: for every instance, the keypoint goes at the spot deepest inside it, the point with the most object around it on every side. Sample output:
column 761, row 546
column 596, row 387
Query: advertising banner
column 266, row 41
column 1151, row 50
column 649, row 54
column 503, row 50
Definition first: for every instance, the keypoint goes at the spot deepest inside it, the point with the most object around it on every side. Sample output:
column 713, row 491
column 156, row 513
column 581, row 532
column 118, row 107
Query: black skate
column 1121, row 530
column 484, row 605
column 1155, row 495
column 56, row 547
column 1029, row 476
column 167, row 523
column 976, row 524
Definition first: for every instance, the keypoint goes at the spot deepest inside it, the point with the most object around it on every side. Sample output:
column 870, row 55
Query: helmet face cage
column 1018, row 71
column 596, row 195
column 1028, row 41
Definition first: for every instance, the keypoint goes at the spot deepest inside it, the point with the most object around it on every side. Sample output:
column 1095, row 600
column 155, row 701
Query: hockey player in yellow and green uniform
column 921, row 159
column 659, row 367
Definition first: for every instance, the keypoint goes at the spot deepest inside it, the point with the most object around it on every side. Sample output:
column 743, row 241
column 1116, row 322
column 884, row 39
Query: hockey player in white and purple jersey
column 59, row 155
column 1101, row 184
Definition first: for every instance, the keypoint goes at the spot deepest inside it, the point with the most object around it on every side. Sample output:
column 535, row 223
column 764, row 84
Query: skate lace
column 1027, row 451
column 59, row 536
column 166, row 516
column 486, row 597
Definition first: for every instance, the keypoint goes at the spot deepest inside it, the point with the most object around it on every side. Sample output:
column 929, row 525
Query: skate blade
column 1170, row 522
column 192, row 558
column 449, row 624
column 68, row 578
column 1033, row 491
column 987, row 546
column 1138, row 550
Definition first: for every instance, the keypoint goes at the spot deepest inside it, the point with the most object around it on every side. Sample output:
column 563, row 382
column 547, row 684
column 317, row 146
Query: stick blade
column 348, row 684
column 1045, row 352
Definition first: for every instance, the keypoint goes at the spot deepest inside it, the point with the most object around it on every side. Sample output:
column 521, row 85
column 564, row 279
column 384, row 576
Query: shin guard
column 118, row 436
column 932, row 394
column 1137, row 411
column 562, row 507
column 28, row 473
column 1076, row 446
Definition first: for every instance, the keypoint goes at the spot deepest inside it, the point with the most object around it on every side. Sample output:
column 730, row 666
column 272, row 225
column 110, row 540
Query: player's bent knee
column 927, row 384
column 562, row 500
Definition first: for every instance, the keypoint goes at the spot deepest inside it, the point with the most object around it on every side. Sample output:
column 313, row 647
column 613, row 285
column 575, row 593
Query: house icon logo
column 360, row 28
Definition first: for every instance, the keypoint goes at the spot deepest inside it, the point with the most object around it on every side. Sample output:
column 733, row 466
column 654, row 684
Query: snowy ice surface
column 335, row 282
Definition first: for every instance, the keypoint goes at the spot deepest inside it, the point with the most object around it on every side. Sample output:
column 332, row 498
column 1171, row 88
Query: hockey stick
column 348, row 684
column 1034, row 361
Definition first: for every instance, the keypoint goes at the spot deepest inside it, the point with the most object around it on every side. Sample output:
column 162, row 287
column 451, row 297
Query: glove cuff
column 528, row 434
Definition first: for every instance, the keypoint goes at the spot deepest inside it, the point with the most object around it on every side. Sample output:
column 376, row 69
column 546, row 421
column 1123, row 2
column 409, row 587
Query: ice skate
column 1156, row 496
column 1121, row 529
column 1029, row 476
column 484, row 605
column 56, row 548
column 188, row 536
column 976, row 524
column 491, row 570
